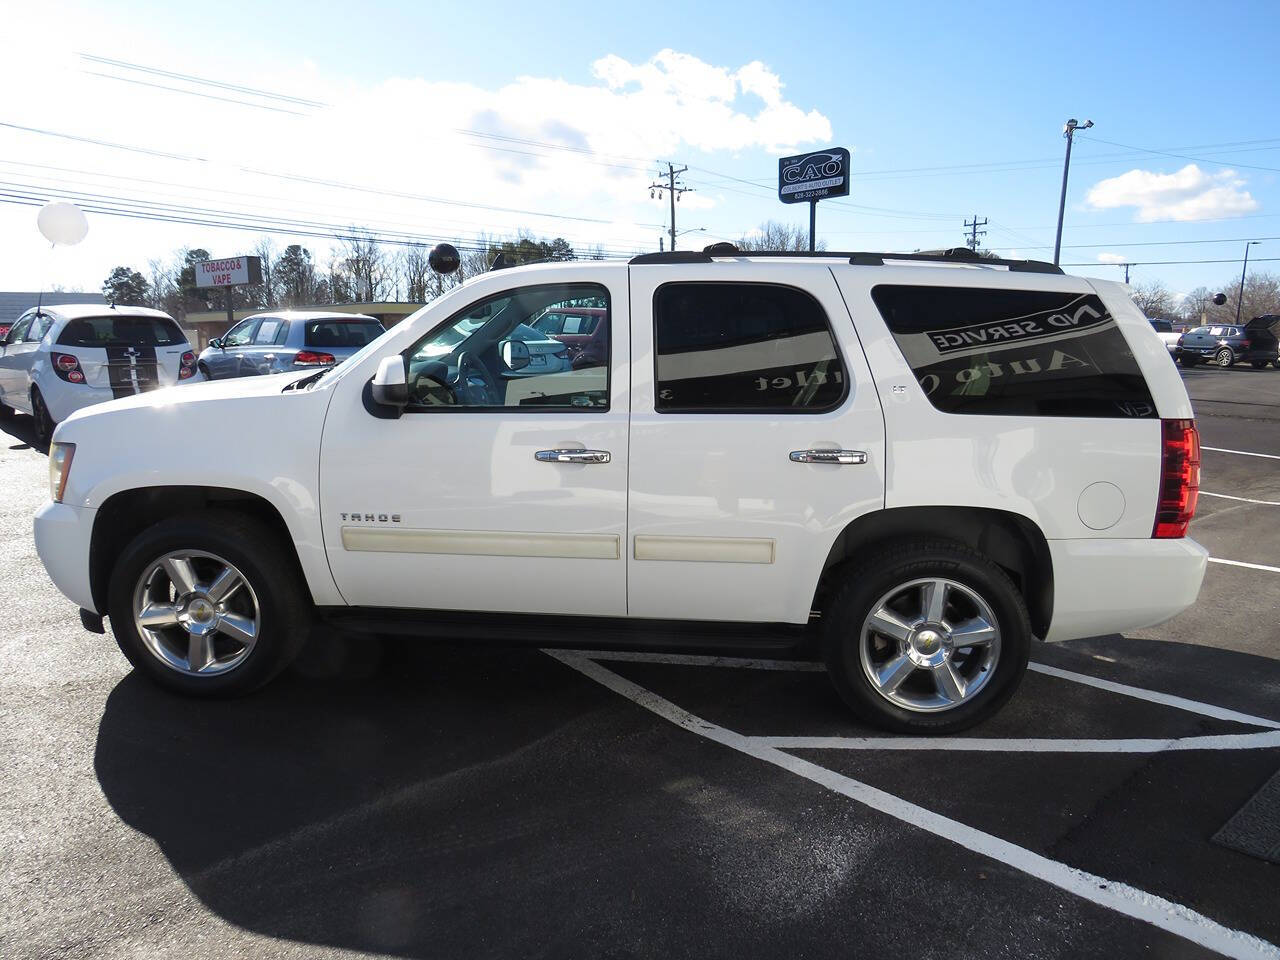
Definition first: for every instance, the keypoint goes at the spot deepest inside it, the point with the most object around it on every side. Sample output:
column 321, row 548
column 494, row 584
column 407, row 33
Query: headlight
column 60, row 455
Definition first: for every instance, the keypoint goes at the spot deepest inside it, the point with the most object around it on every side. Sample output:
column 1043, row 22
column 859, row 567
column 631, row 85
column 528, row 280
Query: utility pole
column 1069, row 132
column 1126, row 274
column 1240, row 299
column 674, row 190
column 974, row 232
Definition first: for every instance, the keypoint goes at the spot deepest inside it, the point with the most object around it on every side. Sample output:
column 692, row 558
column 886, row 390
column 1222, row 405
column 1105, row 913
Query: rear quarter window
column 1015, row 352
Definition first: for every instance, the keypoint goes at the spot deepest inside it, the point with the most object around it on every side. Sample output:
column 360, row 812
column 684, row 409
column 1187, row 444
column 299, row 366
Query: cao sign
column 814, row 176
column 231, row 272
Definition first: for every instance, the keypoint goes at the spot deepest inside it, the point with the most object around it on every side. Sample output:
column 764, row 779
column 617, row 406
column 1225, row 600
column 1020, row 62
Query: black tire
column 1276, row 363
column 272, row 573
column 1188, row 361
column 1224, row 357
column 6, row 412
column 1258, row 364
column 862, row 584
column 204, row 371
column 44, row 422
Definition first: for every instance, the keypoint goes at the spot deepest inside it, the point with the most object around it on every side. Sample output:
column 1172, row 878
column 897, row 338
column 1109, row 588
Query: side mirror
column 389, row 386
column 515, row 354
column 216, row 342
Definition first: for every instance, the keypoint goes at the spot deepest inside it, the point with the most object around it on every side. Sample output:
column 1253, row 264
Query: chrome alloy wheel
column 196, row 613
column 929, row 645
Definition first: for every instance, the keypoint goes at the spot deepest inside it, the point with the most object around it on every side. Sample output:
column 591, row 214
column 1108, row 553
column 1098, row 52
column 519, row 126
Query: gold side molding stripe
column 483, row 543
column 704, row 549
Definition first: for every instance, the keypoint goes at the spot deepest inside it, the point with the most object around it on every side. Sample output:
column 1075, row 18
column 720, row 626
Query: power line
column 1183, row 156
column 103, row 143
column 674, row 189
column 195, row 93
column 1168, row 263
column 192, row 78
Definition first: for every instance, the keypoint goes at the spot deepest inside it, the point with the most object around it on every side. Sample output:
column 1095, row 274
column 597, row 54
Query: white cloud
column 410, row 141
column 1188, row 194
column 1112, row 258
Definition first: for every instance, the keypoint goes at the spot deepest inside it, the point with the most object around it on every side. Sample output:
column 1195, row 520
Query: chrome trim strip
column 704, row 549
column 483, row 543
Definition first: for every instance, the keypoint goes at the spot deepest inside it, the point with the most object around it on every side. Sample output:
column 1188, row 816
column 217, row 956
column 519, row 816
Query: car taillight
column 1179, row 478
column 309, row 358
column 67, row 367
column 1244, row 344
column 187, row 365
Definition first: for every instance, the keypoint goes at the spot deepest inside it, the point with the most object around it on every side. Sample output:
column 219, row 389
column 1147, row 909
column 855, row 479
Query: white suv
column 919, row 462
column 56, row 360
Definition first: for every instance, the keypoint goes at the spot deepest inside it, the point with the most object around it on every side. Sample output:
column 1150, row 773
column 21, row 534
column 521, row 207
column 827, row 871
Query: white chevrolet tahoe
column 921, row 462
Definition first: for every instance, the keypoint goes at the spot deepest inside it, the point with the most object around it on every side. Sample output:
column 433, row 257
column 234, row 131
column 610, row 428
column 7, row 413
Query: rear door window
column 121, row 330
column 268, row 330
column 1015, row 352
column 743, row 348
column 341, row 333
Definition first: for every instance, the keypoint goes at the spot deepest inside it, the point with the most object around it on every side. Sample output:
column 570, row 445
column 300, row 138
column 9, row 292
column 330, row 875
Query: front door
column 15, row 363
column 756, row 438
column 225, row 362
column 503, row 486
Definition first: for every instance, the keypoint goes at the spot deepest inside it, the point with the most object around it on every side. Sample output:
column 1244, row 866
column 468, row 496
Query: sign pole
column 813, row 219
column 230, row 316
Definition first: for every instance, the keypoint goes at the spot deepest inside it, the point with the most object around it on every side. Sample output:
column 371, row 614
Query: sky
column 454, row 121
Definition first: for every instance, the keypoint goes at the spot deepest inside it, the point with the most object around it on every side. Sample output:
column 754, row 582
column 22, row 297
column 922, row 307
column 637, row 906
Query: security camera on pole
column 1068, row 131
column 810, row 177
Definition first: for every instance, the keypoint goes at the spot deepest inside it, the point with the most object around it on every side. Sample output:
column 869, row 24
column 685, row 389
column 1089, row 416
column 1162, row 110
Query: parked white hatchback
column 56, row 360
column 915, row 462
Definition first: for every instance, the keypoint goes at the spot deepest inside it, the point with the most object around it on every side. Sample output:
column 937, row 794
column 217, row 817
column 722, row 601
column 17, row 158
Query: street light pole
column 1069, row 132
column 1240, row 299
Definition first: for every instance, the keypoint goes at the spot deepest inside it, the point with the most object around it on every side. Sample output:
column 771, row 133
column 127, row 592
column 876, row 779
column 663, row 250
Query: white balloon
column 62, row 223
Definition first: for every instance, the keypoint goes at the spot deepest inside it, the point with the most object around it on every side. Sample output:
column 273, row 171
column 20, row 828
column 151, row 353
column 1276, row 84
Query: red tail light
column 67, row 367
column 1179, row 479
column 1244, row 344
column 187, row 365
column 309, row 358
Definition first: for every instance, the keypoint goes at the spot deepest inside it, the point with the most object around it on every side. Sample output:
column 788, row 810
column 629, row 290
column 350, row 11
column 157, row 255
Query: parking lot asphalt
column 436, row 800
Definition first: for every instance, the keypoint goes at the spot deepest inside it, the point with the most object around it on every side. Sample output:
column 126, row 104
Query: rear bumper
column 1105, row 586
column 62, row 534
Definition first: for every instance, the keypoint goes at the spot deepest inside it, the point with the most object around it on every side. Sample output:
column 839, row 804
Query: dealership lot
column 426, row 800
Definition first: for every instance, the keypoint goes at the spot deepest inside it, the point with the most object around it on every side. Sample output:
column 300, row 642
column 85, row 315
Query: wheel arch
column 125, row 514
column 1011, row 541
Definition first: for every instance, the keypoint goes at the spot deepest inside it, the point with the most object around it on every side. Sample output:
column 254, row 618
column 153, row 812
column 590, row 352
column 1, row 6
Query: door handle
column 569, row 455
column 829, row 456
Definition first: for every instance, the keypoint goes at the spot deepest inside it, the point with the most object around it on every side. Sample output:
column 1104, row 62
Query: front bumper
column 1103, row 586
column 63, row 534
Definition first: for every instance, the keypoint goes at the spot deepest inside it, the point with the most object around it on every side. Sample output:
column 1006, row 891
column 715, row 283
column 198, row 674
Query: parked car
column 1226, row 344
column 284, row 341
column 4, row 329
column 1164, row 330
column 941, row 456
column 60, row 359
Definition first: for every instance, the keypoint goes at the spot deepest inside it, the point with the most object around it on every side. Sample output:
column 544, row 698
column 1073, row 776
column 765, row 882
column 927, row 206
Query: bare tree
column 367, row 267
column 265, row 251
column 1152, row 298
column 415, row 271
column 772, row 235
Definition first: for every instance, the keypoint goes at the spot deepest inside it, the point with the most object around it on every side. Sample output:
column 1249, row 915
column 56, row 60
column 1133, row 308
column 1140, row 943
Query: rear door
column 260, row 356
column 756, row 437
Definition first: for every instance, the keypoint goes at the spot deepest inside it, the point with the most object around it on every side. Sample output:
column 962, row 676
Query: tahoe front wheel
column 926, row 638
column 208, row 604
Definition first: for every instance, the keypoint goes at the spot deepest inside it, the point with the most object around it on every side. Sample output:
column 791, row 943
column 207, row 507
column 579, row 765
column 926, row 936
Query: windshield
column 121, row 331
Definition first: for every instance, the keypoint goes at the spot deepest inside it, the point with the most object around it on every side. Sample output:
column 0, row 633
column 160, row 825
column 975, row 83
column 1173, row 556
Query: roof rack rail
column 859, row 258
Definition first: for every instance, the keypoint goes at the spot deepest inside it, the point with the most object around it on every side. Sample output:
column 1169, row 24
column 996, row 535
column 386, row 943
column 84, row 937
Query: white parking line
column 1241, row 563
column 1175, row 918
column 1227, row 496
column 1233, row 741
column 1244, row 453
column 1124, row 689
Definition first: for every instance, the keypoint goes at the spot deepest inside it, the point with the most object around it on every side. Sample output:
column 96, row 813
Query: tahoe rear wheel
column 208, row 604
column 925, row 637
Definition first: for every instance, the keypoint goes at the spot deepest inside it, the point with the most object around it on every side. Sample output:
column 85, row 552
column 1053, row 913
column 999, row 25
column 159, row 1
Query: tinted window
column 121, row 330
column 747, row 347
column 1162, row 326
column 341, row 333
column 491, row 356
column 1015, row 352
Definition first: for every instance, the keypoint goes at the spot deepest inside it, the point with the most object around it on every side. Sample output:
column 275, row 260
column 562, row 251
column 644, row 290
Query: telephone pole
column 674, row 189
column 974, row 232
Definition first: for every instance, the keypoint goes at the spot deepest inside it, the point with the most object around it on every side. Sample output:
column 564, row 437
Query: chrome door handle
column 829, row 456
column 569, row 455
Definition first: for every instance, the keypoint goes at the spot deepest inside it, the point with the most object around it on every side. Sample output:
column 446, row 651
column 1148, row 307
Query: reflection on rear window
column 341, row 333
column 121, row 331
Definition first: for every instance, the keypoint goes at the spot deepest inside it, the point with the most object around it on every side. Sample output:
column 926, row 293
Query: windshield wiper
column 307, row 382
